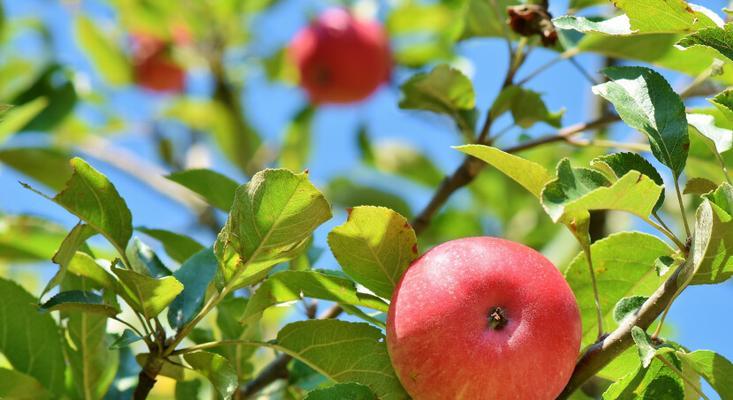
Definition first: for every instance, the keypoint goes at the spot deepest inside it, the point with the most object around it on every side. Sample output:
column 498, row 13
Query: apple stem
column 497, row 318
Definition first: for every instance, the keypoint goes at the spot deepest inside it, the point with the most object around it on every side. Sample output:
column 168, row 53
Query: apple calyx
column 497, row 318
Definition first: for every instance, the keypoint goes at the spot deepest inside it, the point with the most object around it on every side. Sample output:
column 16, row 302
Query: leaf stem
column 682, row 205
column 596, row 296
column 219, row 343
column 682, row 376
column 666, row 232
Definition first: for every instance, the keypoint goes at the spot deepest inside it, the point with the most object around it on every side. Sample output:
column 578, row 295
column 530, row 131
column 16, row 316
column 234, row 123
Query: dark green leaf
column 54, row 88
column 526, row 106
column 37, row 351
column 699, row 186
column 127, row 338
column 195, row 274
column 375, row 246
column 723, row 101
column 146, row 294
column 228, row 314
column 720, row 39
column 217, row 189
column 215, row 368
column 293, row 285
column 663, row 264
column 655, row 382
column 179, row 247
column 646, row 102
column 93, row 198
column 188, row 390
column 47, row 165
column 63, row 256
column 271, row 220
column 17, row 118
column 337, row 350
column 443, row 90
column 143, row 260
column 79, row 300
column 343, row 391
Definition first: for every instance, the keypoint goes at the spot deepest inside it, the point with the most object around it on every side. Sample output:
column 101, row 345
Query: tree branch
column 602, row 352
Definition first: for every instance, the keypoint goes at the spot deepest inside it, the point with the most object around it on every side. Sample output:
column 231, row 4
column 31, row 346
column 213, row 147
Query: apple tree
column 285, row 199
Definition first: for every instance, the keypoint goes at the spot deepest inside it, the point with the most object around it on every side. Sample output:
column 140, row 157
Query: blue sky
column 700, row 316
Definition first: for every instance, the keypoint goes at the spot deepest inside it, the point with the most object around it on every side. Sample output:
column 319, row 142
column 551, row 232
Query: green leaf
column 404, row 160
column 526, row 106
column 619, row 274
column 293, row 285
column 530, row 175
column 46, row 165
column 93, row 364
column 344, row 192
column 619, row 25
column 720, row 39
column 108, row 60
column 716, row 369
column 63, row 256
column 719, row 140
column 79, row 300
column 216, row 369
column 647, row 350
column 144, row 260
column 485, row 18
column 723, row 101
column 17, row 118
column 228, row 313
column 444, row 90
column 127, row 338
column 617, row 165
column 37, row 352
column 146, row 294
column 627, row 306
column 374, row 246
column 343, row 391
column 296, row 145
column 664, row 263
column 55, row 86
column 26, row 238
column 15, row 385
column 646, row 102
column 178, row 247
column 337, row 349
column 710, row 252
column 576, row 191
column 195, row 274
column 84, row 266
column 187, row 390
column 655, row 382
column 93, row 198
column 217, row 189
column 699, row 186
column 272, row 218
column 670, row 16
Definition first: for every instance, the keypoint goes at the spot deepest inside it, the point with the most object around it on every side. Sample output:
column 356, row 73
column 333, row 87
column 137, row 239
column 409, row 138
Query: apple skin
column 153, row 67
column 341, row 59
column 438, row 333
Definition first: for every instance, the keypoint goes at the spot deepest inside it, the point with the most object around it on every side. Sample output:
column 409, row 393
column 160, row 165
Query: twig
column 604, row 351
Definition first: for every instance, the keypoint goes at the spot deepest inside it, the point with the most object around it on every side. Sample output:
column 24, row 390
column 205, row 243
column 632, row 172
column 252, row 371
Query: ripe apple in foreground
column 341, row 58
column 154, row 68
column 483, row 318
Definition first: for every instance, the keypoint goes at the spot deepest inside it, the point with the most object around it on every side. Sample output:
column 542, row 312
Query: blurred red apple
column 483, row 318
column 341, row 58
column 154, row 68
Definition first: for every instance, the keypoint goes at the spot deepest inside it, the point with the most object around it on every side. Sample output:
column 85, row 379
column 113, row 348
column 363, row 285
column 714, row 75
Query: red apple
column 153, row 66
column 483, row 318
column 341, row 58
